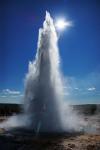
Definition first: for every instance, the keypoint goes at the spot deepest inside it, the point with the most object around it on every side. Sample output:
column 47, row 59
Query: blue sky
column 79, row 46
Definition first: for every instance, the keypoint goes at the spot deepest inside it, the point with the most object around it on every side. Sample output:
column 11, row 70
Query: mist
column 45, row 108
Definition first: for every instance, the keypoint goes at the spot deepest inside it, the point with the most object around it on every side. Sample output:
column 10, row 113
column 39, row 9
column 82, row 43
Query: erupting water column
column 43, row 94
column 44, row 106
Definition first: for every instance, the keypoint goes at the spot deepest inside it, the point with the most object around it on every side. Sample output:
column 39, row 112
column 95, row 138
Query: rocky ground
column 89, row 139
column 73, row 142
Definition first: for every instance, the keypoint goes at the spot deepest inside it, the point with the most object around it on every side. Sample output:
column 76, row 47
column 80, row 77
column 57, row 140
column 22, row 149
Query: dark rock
column 71, row 145
column 91, row 147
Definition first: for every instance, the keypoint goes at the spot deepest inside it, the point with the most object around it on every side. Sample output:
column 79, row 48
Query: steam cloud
column 44, row 106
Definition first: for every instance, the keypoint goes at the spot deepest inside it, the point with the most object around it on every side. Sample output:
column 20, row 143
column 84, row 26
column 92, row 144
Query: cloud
column 10, row 92
column 9, row 96
column 84, row 89
column 76, row 88
column 3, row 96
column 91, row 89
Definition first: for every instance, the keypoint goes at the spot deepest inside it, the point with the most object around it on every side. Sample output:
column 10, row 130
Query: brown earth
column 73, row 142
column 89, row 140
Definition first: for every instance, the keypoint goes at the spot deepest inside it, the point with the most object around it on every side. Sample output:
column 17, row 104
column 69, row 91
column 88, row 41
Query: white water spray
column 44, row 101
column 43, row 82
column 44, row 107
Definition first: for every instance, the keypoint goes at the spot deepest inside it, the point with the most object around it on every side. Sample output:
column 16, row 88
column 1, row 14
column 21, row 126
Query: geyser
column 43, row 83
column 44, row 102
column 44, row 106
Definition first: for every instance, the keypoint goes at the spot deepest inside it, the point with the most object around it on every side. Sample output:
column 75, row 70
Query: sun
column 61, row 24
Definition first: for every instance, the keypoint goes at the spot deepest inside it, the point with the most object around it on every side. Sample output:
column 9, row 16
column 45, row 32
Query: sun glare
column 62, row 24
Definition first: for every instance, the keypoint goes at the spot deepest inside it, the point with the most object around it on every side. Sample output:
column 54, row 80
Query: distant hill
column 87, row 109
column 9, row 109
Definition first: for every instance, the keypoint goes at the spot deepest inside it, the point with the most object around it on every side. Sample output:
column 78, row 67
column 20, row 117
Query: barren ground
column 89, row 140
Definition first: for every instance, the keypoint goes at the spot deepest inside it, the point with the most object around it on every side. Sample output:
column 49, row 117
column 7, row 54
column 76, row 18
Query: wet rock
column 59, row 147
column 71, row 145
column 69, row 148
column 91, row 147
